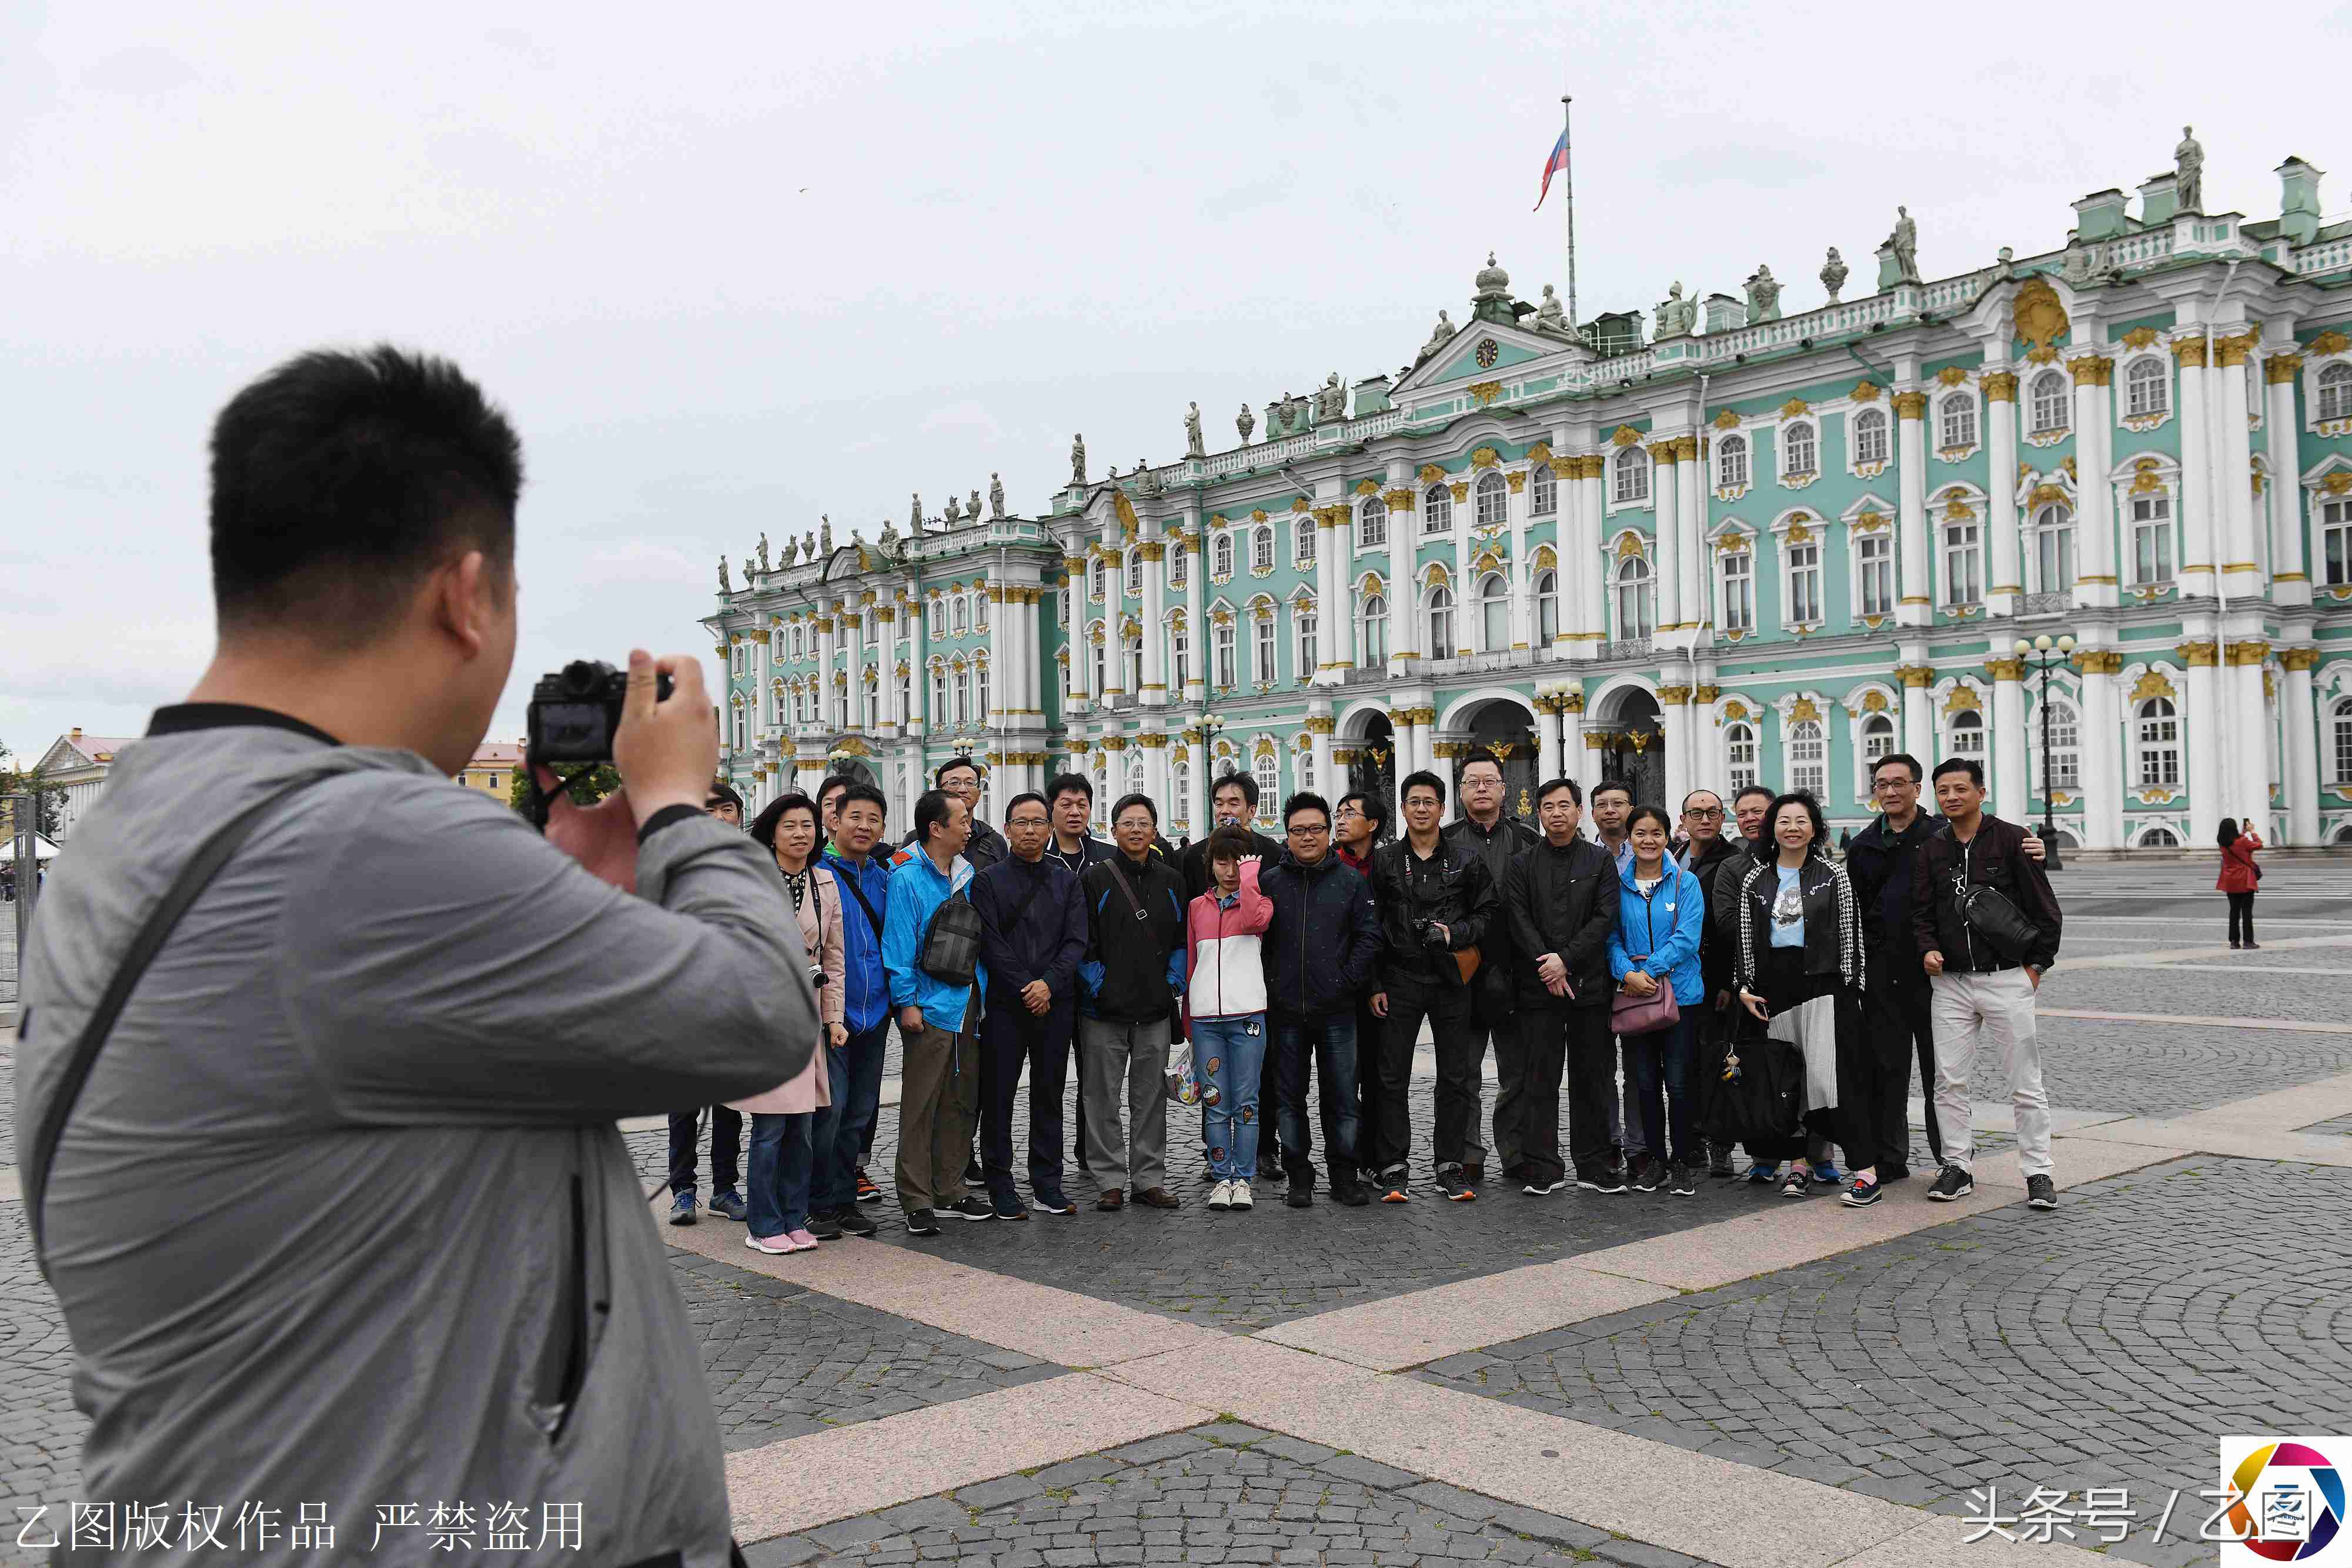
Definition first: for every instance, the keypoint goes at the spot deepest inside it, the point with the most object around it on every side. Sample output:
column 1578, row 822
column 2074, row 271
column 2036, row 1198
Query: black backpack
column 950, row 952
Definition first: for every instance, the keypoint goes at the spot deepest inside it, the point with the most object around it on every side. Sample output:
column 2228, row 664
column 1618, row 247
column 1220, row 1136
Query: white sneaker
column 1241, row 1196
column 1222, row 1195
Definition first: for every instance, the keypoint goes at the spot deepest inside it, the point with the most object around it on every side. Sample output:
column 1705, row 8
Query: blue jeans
column 1332, row 1037
column 781, row 1152
column 854, row 1074
column 1231, row 1054
column 1666, row 1054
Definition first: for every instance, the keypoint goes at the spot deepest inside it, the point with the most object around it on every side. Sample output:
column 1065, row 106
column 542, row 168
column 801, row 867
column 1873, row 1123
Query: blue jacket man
column 859, row 864
column 938, row 1098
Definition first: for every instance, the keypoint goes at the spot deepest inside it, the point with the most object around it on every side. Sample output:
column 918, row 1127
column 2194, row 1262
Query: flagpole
column 1567, row 175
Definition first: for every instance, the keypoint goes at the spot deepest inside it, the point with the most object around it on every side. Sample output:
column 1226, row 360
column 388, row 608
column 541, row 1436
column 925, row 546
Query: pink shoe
column 775, row 1245
column 802, row 1240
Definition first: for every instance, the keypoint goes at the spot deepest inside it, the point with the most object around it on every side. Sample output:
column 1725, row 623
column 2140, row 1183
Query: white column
column 2299, row 719
column 1114, row 608
column 1911, row 508
column 918, row 666
column 1517, row 574
column 2290, row 578
column 759, row 663
column 1155, row 635
column 1400, row 729
column 2009, row 784
column 1666, row 550
column 1690, row 472
column 2102, row 744
column 885, row 663
column 2242, row 571
column 2202, row 741
column 1082, row 654
column 826, row 643
column 1674, row 715
column 861, row 707
column 1592, row 582
column 2096, row 564
column 1032, row 667
column 1406, row 630
column 1319, row 742
column 1919, row 712
column 2248, row 768
column 1155, row 770
column 1196, row 809
column 1196, row 622
column 2196, row 522
column 1548, row 738
column 1336, row 632
column 1461, row 578
column 2004, row 595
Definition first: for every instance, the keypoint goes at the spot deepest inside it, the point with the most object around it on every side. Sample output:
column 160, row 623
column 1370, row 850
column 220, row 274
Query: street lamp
column 2045, row 655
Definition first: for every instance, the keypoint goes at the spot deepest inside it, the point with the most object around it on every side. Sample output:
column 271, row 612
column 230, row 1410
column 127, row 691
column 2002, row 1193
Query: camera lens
column 580, row 678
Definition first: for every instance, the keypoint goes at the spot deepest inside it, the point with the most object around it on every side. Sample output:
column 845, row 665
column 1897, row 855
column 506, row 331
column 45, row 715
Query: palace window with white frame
column 1269, row 785
column 1967, row 733
column 2059, row 767
column 738, row 727
column 1179, row 645
column 1095, row 578
column 1731, row 462
column 2053, row 550
column 1224, row 556
column 1631, row 472
column 1372, row 524
column 1491, row 498
column 1546, row 607
column 1225, row 650
column 1873, row 572
column 2050, row 403
column 1062, row 609
column 1799, row 451
column 1062, row 669
column 1135, row 572
column 979, row 610
column 1302, row 768
column 2147, row 391
column 1100, row 655
column 2156, row 743
column 1302, row 622
column 1877, row 741
column 1958, row 413
column 1809, row 758
column 1437, row 510
column 2340, row 740
column 1870, row 436
column 1131, row 649
column 1179, row 781
column 961, row 688
column 1543, row 491
column 795, row 642
column 1135, row 772
column 1302, row 542
column 1375, row 639
column 1804, row 601
column 2335, row 543
column 2336, row 392
column 1739, row 753
column 1262, row 549
column 980, row 693
column 1636, row 615
column 939, row 714
column 1494, row 613
column 2151, row 539
column 1736, row 575
column 1264, row 646
column 1441, row 623
column 738, row 658
column 1963, row 564
column 1179, row 563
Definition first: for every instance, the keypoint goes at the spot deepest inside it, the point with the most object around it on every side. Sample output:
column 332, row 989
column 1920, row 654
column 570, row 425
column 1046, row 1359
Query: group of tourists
column 1633, row 962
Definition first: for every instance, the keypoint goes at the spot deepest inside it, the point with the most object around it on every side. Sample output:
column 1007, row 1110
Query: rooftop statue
column 915, row 514
column 2005, row 266
column 1676, row 315
column 1245, row 423
column 1763, row 295
column 764, row 550
column 808, row 545
column 1906, row 240
column 824, row 533
column 953, row 514
column 1331, row 403
column 995, row 496
column 1552, row 315
column 971, row 509
column 889, row 534
column 1193, row 445
column 1079, row 459
column 1438, row 334
column 2188, row 163
column 1834, row 272
column 724, row 586
column 791, row 549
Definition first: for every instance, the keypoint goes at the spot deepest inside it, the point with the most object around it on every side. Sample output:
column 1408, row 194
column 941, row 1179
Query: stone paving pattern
column 2199, row 993
column 40, row 1431
column 2165, row 1069
column 1223, row 1493
column 2015, row 1349
column 782, row 1360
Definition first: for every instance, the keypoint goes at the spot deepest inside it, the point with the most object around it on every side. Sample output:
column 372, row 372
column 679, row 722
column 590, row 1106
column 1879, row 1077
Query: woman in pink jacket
column 1224, row 1002
column 795, row 1118
column 2240, row 877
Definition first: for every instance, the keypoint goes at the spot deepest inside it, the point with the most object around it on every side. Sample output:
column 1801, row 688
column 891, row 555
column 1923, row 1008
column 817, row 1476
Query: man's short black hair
column 341, row 480
column 1470, row 762
column 1418, row 777
column 1619, row 785
column 1138, row 798
column 1305, row 801
column 1702, row 789
column 1014, row 803
column 860, row 791
column 1063, row 783
column 1241, row 781
column 1905, row 758
column 1374, row 809
column 1748, row 790
column 1967, row 765
column 939, row 779
column 721, row 791
column 832, row 782
column 931, row 809
column 1552, row 786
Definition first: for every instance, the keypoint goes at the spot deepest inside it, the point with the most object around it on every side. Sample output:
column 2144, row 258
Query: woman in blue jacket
column 1660, row 915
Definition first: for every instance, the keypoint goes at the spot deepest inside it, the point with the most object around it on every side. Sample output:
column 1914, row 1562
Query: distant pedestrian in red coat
column 2240, row 877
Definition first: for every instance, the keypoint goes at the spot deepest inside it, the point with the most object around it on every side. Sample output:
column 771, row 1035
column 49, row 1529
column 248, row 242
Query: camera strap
column 203, row 866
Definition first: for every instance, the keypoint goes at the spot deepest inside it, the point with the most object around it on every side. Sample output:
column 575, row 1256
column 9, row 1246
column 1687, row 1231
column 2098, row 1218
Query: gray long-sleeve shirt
column 342, row 1217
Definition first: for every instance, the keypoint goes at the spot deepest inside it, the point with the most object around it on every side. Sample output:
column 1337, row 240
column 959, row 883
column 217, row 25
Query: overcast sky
column 730, row 271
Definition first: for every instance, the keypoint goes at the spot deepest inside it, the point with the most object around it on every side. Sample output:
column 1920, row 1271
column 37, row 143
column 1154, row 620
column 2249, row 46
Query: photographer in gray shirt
column 340, row 1219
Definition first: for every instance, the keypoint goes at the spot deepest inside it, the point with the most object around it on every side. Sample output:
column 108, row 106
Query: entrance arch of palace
column 1367, row 734
column 1505, row 729
column 1625, row 737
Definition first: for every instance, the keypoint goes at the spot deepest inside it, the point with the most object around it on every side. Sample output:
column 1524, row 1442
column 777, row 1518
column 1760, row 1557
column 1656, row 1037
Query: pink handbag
column 1646, row 1015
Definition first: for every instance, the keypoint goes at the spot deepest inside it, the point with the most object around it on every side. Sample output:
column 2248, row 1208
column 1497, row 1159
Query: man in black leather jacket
column 1560, row 899
column 1435, row 900
column 1496, row 840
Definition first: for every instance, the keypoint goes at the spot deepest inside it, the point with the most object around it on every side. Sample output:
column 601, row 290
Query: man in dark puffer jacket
column 1562, row 901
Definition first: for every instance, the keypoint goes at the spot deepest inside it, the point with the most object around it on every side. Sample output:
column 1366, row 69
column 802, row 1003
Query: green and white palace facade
column 1746, row 546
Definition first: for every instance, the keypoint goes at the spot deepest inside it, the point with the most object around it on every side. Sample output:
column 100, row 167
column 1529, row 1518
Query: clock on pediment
column 1488, row 352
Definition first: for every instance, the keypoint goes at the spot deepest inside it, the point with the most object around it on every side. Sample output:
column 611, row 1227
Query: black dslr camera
column 575, row 712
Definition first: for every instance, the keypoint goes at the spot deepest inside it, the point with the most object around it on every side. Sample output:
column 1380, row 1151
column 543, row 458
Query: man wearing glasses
column 1704, row 850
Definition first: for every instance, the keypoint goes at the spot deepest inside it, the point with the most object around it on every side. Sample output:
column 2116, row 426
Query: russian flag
column 1553, row 165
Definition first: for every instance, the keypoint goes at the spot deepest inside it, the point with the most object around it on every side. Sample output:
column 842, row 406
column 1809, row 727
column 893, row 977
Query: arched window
column 1180, row 649
column 1543, row 492
column 979, row 610
column 1632, row 471
column 1739, row 753
column 1804, row 601
column 1134, row 571
column 1135, row 771
column 1099, row 652
column 1809, row 758
column 1302, row 621
column 1870, row 436
column 980, row 693
column 2159, row 838
column 1179, row 784
column 2147, row 388
column 1062, row 669
column 2336, row 542
column 2049, row 402
column 1494, row 509
column 962, row 694
column 2059, row 767
column 1958, row 418
column 1265, row 648
column 2339, row 741
column 1732, row 456
column 1268, row 769
column 2156, row 742
column 1437, row 510
column 1635, row 617
column 1798, row 455
column 737, row 658
column 1302, row 769
column 738, row 726
column 1225, row 650
column 1180, row 562
column 939, row 696
column 1094, row 578
column 2151, row 539
column 1130, row 648
column 1877, row 740
column 1969, row 734
column 2053, row 550
column 1302, row 542
column 1262, row 548
column 1375, row 639
column 1546, row 607
column 1372, row 524
column 1224, row 556
column 1061, row 607
column 1736, row 577
column 2336, row 392
column 1963, row 565
column 1441, row 623
column 1495, row 612
column 795, row 641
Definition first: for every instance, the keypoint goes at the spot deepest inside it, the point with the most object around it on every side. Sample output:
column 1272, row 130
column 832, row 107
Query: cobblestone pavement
column 1223, row 1493
column 782, row 1360
column 2014, row 1349
column 40, row 1431
column 2336, row 1127
column 2201, row 993
column 2160, row 1069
